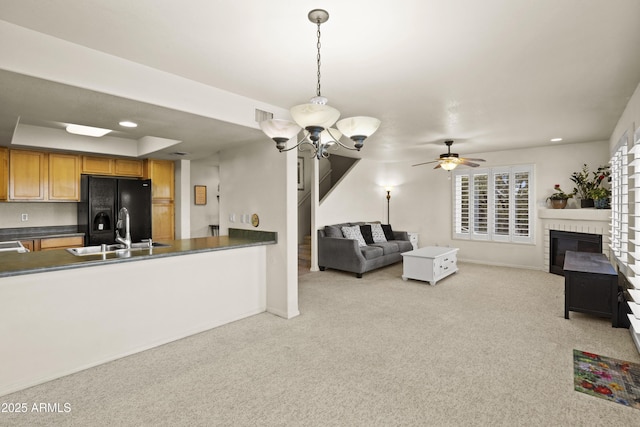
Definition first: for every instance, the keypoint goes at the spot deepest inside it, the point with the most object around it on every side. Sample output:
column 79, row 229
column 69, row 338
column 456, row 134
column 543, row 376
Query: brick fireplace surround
column 589, row 220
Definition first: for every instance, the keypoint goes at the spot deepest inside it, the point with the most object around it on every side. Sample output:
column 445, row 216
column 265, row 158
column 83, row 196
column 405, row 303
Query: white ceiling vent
column 263, row 115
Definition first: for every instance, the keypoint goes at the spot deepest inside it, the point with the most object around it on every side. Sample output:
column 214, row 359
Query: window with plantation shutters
column 494, row 204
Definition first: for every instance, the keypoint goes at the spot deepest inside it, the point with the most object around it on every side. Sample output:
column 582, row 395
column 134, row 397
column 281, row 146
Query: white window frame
column 459, row 218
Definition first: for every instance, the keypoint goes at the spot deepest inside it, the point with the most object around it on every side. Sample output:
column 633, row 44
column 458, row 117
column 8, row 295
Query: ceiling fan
column 449, row 161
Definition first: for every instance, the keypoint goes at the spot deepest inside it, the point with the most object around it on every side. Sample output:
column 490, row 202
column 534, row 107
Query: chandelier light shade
column 316, row 118
column 280, row 131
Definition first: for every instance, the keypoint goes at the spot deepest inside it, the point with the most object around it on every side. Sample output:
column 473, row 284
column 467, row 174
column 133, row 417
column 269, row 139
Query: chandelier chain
column 318, row 61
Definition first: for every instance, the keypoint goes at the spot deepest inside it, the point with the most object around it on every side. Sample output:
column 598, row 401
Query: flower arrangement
column 559, row 194
column 586, row 182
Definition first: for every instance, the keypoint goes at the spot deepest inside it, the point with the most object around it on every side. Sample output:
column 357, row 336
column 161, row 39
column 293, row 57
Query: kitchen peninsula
column 61, row 313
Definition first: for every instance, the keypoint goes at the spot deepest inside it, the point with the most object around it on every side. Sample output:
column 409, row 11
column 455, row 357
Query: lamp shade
column 448, row 164
column 358, row 126
column 276, row 128
column 314, row 115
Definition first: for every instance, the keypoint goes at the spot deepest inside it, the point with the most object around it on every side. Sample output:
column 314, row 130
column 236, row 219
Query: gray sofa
column 348, row 254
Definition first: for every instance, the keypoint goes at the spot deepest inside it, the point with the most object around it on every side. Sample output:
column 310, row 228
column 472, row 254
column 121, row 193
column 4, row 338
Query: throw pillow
column 378, row 233
column 388, row 232
column 354, row 233
column 330, row 231
column 366, row 234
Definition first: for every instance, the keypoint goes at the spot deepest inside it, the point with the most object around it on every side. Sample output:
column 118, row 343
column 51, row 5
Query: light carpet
column 486, row 346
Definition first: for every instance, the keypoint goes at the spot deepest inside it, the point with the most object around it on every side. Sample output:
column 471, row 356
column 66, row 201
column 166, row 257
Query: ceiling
column 490, row 74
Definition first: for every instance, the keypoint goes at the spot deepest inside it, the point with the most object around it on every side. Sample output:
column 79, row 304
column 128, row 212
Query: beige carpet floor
column 487, row 346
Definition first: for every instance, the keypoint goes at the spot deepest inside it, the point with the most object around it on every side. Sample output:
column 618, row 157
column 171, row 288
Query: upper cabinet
column 64, row 177
column 128, row 167
column 27, row 175
column 4, row 173
column 38, row 176
column 161, row 173
column 94, row 165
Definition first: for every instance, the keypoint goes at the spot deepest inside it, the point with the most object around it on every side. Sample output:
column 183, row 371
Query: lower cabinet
column 49, row 243
column 163, row 220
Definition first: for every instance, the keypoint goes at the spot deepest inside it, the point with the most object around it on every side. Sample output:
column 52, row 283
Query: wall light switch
column 232, row 217
column 24, row 217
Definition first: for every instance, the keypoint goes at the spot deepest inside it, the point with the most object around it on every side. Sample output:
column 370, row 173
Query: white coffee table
column 429, row 264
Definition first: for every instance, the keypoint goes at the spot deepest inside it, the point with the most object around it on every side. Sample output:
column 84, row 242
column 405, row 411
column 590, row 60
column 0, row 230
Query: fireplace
column 562, row 241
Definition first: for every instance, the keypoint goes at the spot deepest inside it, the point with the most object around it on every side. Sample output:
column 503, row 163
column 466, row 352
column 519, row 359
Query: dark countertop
column 28, row 233
column 13, row 264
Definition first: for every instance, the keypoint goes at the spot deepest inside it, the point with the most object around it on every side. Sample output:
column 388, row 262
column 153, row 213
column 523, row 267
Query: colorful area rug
column 611, row 379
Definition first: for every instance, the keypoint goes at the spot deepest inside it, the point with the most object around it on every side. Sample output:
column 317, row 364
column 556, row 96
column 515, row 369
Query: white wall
column 629, row 121
column 421, row 198
column 60, row 322
column 40, row 214
column 256, row 178
column 205, row 172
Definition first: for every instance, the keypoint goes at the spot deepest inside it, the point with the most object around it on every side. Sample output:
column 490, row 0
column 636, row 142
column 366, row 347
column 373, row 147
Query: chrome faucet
column 123, row 215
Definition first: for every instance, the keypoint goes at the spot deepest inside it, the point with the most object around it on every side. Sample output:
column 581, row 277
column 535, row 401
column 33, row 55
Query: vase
column 586, row 203
column 601, row 203
column 558, row 203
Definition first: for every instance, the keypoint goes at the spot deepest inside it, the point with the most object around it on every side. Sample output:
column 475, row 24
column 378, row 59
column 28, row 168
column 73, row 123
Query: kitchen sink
column 117, row 248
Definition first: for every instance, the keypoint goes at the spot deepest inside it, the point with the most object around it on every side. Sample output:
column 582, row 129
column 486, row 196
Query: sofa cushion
column 332, row 231
column 377, row 233
column 353, row 232
column 404, row 245
column 371, row 252
column 366, row 233
column 387, row 247
column 388, row 232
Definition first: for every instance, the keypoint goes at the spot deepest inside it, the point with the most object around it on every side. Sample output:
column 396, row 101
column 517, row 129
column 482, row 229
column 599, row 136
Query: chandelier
column 316, row 118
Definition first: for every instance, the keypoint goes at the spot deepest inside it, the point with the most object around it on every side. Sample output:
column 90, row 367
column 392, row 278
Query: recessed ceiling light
column 128, row 124
column 556, row 139
column 87, row 130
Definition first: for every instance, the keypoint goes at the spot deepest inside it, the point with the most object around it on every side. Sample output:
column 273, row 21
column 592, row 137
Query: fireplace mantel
column 586, row 214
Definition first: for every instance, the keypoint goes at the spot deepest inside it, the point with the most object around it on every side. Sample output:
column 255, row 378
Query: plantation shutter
column 523, row 206
column 480, row 206
column 494, row 204
column 461, row 207
column 501, row 205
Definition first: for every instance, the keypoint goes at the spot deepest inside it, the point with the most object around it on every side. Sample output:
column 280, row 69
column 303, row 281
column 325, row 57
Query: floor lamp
column 388, row 190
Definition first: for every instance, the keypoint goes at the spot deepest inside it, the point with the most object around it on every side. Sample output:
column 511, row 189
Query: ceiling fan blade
column 438, row 166
column 425, row 163
column 475, row 160
column 468, row 163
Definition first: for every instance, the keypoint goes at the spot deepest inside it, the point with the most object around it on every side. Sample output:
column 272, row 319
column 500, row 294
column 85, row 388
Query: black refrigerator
column 100, row 201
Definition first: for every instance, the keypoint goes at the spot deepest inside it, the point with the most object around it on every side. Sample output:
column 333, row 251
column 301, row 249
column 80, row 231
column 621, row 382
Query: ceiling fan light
column 311, row 114
column 358, row 126
column 278, row 129
column 448, row 164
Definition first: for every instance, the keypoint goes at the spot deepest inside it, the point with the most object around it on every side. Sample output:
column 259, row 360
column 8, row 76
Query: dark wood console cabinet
column 590, row 285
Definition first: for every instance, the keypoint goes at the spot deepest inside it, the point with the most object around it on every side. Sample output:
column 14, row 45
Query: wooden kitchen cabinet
column 27, row 175
column 32, row 245
column 162, row 222
column 93, row 165
column 64, row 177
column 161, row 173
column 128, row 167
column 50, row 243
column 4, row 173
